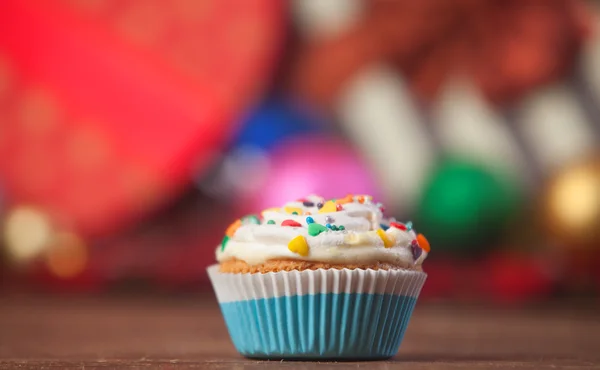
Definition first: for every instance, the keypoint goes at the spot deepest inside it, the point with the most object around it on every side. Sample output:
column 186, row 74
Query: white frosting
column 359, row 243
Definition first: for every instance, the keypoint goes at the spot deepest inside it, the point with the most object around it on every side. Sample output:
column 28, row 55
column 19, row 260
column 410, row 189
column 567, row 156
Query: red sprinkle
column 398, row 225
column 338, row 207
column 291, row 223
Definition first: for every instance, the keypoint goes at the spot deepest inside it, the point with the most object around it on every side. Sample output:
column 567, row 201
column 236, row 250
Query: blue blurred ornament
column 262, row 128
column 276, row 119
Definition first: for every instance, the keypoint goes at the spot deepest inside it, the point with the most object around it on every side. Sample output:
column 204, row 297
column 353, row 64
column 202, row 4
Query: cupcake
column 319, row 279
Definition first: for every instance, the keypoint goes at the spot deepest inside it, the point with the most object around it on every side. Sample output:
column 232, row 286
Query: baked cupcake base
column 278, row 265
column 333, row 314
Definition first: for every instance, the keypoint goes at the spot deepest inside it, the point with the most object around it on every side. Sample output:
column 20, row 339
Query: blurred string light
column 27, row 232
column 555, row 126
column 323, row 19
column 67, row 256
column 398, row 147
column 468, row 126
column 571, row 206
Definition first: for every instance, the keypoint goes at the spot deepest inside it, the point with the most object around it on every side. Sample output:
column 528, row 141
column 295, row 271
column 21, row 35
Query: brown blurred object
column 505, row 47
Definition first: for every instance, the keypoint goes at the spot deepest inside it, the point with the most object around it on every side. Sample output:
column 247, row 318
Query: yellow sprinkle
column 299, row 245
column 233, row 228
column 291, row 210
column 328, row 207
column 387, row 240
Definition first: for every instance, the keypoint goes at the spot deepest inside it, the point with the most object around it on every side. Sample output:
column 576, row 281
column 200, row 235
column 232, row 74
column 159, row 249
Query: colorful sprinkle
column 315, row 229
column 387, row 241
column 270, row 222
column 409, row 225
column 384, row 226
column 329, row 219
column 398, row 225
column 342, row 227
column 347, row 199
column 307, row 213
column 310, row 220
column 423, row 243
column 416, row 251
column 251, row 219
column 233, row 228
column 290, row 223
column 291, row 210
column 299, row 245
column 360, row 199
column 328, row 207
column 334, row 228
column 295, row 213
column 320, row 205
column 307, row 203
column 224, row 242
column 328, row 226
column 339, row 207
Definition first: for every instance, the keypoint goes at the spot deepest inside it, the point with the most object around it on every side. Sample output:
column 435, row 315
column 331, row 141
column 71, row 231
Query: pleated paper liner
column 322, row 314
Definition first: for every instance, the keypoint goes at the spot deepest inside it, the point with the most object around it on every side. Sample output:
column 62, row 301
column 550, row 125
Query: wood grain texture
column 177, row 333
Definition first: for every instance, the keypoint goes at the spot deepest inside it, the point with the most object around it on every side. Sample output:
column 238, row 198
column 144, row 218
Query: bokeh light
column 572, row 203
column 27, row 233
column 68, row 255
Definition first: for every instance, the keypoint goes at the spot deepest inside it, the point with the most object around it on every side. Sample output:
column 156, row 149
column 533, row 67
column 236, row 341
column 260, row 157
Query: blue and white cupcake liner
column 321, row 314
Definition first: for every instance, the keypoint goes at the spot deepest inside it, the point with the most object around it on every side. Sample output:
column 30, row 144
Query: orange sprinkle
column 360, row 199
column 307, row 213
column 233, row 228
column 347, row 199
column 423, row 243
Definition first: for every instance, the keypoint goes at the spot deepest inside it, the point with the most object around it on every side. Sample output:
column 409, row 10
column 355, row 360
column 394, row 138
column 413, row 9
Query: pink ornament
column 312, row 165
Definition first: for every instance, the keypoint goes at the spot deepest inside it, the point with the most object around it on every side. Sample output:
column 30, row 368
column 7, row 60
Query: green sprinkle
column 295, row 213
column 251, row 219
column 224, row 243
column 315, row 229
column 342, row 227
column 334, row 228
column 270, row 222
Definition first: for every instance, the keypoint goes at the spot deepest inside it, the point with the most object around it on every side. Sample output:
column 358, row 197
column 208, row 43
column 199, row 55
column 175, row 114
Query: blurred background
column 132, row 132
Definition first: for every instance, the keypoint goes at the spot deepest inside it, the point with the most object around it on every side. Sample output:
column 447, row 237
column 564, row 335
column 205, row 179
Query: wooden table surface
column 178, row 333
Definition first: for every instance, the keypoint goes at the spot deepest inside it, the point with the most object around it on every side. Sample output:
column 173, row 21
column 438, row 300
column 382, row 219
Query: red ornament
column 111, row 105
column 291, row 223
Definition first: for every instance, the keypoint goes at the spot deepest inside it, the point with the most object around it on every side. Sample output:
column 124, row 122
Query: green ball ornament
column 465, row 206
